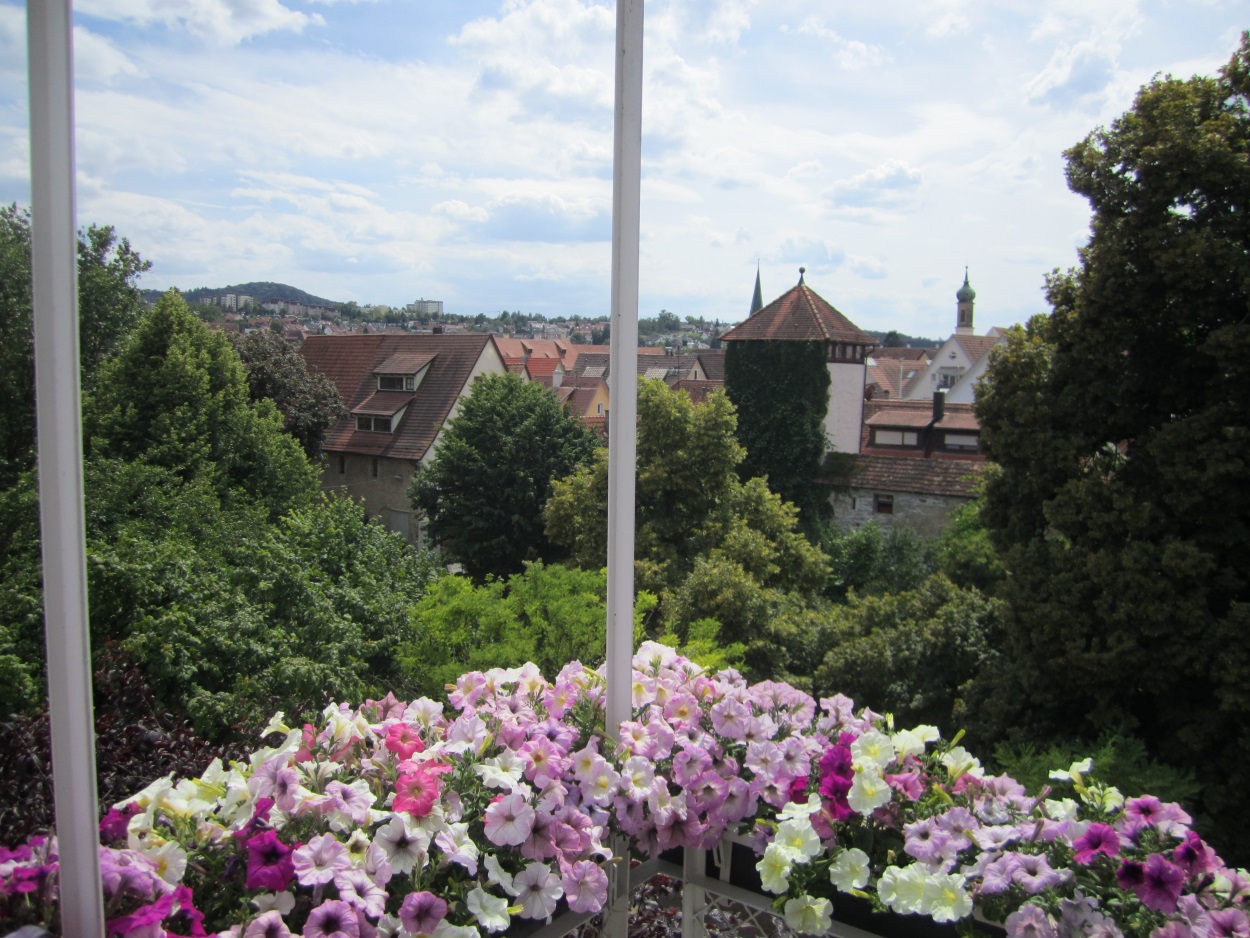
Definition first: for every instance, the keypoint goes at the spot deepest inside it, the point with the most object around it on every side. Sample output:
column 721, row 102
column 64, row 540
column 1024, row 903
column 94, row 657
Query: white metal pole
column 623, row 432
column 54, row 262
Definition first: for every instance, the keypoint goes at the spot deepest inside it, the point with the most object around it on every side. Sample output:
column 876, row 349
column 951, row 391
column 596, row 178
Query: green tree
column 176, row 396
column 781, row 392
column 548, row 615
column 309, row 402
column 915, row 654
column 871, row 561
column 710, row 545
column 109, row 306
column 1121, row 426
column 484, row 491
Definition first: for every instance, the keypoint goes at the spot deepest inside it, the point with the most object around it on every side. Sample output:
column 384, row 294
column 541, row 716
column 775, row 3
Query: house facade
column 399, row 391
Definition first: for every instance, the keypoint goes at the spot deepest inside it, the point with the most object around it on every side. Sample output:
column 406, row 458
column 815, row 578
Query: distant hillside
column 261, row 290
column 906, row 341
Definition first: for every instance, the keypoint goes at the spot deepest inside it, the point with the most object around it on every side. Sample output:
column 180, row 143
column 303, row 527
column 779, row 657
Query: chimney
column 939, row 404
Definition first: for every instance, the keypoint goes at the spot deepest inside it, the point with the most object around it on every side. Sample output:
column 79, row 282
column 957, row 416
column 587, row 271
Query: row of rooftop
column 905, row 415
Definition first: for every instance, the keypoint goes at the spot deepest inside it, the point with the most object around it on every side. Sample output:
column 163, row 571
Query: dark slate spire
column 757, row 301
column 802, row 271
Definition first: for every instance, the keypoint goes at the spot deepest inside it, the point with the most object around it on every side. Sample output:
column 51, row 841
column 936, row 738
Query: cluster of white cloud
column 384, row 150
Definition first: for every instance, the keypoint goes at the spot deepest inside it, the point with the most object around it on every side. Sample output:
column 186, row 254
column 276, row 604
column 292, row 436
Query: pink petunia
column 402, row 740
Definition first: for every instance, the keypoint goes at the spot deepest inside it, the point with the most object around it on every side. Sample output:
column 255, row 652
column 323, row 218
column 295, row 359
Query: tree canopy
column 492, row 473
column 176, row 396
column 109, row 306
column 1121, row 427
column 308, row 401
column 709, row 544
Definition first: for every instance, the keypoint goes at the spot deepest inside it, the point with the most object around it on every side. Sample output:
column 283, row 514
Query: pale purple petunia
column 332, row 919
column 421, row 912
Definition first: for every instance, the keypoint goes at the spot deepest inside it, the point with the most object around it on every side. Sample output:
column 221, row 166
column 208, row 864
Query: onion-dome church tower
column 966, row 296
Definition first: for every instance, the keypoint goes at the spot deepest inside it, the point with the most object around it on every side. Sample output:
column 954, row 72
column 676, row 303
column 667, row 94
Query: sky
column 384, row 151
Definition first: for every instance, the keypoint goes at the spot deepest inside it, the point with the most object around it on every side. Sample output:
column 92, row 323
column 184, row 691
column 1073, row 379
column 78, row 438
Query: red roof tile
column 976, row 347
column 384, row 403
column 800, row 314
column 950, row 477
column 350, row 362
column 403, row 363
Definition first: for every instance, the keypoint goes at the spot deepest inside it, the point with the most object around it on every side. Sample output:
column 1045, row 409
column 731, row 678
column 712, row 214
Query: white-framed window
column 962, row 442
column 895, row 438
column 397, row 382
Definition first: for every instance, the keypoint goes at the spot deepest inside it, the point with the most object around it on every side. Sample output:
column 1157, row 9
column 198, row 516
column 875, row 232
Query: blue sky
column 388, row 150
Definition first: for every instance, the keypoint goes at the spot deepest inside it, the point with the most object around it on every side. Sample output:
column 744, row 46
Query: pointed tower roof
column 800, row 315
column 757, row 301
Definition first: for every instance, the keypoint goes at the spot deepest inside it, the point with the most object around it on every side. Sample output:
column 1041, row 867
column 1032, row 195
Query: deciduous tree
column 1121, row 426
column 493, row 471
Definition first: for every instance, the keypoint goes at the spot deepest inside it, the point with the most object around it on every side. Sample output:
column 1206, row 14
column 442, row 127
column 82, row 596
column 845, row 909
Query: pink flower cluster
column 415, row 819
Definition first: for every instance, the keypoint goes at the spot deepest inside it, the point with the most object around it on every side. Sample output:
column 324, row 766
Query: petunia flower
column 317, row 861
column 332, row 919
column 585, row 886
column 421, row 912
column 850, row 870
column 509, row 820
column 269, row 863
column 267, row 925
column 1098, row 840
column 808, row 915
column 490, row 911
column 538, row 889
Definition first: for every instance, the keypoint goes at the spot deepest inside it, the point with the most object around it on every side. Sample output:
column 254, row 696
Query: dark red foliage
column 137, row 741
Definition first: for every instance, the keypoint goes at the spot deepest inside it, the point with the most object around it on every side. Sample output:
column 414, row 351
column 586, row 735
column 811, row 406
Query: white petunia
column 808, row 915
column 869, row 791
column 945, row 899
column 774, row 869
column 1074, row 771
column 850, row 870
column 491, row 912
column 798, row 839
column 959, row 761
column 800, row 809
column 873, row 749
column 902, row 888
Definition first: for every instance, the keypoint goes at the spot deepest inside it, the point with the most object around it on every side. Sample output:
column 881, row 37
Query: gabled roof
column 904, row 352
column 712, row 362
column 799, row 314
column 350, row 361
column 976, row 347
column 541, row 367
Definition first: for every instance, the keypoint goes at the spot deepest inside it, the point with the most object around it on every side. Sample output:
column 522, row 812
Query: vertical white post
column 623, row 432
column 54, row 260
column 693, row 899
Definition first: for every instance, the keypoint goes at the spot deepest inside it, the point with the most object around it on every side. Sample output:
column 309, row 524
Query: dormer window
column 373, row 423
column 895, row 438
column 397, row 382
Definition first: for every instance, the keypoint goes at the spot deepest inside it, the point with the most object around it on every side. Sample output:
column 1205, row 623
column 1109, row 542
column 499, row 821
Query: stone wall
column 927, row 515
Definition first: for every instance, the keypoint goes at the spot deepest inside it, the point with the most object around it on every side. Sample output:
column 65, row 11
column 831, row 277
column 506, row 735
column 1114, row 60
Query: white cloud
column 849, row 53
column 887, row 186
column 222, row 21
column 98, row 59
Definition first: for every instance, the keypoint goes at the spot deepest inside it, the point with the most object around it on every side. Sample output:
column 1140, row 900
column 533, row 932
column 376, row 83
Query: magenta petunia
column 269, row 863
column 1161, row 884
column 1098, row 840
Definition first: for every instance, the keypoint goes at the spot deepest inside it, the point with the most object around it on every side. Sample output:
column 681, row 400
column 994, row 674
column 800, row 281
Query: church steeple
column 965, row 296
column 757, row 301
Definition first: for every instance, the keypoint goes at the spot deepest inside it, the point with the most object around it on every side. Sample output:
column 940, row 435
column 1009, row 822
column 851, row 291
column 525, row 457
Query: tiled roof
column 385, row 403
column 901, row 418
column 697, row 391
column 903, row 353
column 350, row 361
column 800, row 314
column 958, row 420
column 580, row 399
column 541, row 367
column 403, row 363
column 950, row 477
column 712, row 364
column 510, row 347
column 976, row 347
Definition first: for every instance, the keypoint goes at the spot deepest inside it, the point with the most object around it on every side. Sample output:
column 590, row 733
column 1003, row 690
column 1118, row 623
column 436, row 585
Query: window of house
column 895, row 438
column 342, row 464
column 374, row 467
column 397, row 382
column 962, row 442
column 599, row 410
column 375, row 424
column 883, row 504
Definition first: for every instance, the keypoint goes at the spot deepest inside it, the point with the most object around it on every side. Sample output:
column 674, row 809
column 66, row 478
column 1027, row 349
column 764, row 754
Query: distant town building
column 428, row 307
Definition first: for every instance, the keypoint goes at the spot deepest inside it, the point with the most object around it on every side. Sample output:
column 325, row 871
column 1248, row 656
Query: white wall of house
column 380, row 484
column 964, row 390
column 844, row 418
